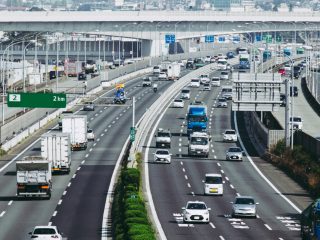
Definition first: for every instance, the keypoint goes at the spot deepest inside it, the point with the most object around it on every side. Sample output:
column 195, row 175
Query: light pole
column 175, row 34
column 288, row 108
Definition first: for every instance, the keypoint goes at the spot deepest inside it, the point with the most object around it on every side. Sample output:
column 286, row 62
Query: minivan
column 185, row 94
column 213, row 184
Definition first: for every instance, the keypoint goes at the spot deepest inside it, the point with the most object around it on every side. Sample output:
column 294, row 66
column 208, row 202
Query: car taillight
column 45, row 187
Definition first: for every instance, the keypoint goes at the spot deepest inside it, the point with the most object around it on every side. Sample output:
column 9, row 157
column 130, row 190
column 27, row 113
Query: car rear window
column 185, row 91
column 178, row 100
column 44, row 231
column 214, row 180
column 230, row 132
column 195, row 80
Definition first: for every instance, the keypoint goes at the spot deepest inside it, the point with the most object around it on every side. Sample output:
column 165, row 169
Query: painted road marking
column 238, row 223
column 292, row 224
column 94, row 144
column 221, row 171
column 227, row 178
column 186, row 177
column 183, row 170
column 211, row 224
column 231, row 186
column 106, row 130
column 74, row 175
column 69, row 184
column 60, row 201
column 267, row 226
column 181, row 163
column 222, row 238
column 87, row 155
column 3, row 212
column 189, row 186
column 9, row 203
column 238, row 194
column 179, row 219
column 102, row 134
column 78, row 168
column 219, row 164
column 54, row 214
column 90, row 150
column 98, row 139
column 83, row 161
column 50, row 223
column 64, row 193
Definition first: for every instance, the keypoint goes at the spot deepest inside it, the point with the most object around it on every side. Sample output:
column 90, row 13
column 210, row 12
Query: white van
column 213, row 184
column 222, row 64
column 227, row 92
column 156, row 70
column 195, row 82
column 185, row 93
column 215, row 81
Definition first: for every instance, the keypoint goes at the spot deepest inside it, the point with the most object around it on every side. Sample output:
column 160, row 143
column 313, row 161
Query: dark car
column 293, row 91
column 230, row 55
column 283, row 99
column 189, row 65
column 82, row 76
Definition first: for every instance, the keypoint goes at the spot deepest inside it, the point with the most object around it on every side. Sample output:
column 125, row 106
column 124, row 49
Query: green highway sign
column 132, row 134
column 37, row 100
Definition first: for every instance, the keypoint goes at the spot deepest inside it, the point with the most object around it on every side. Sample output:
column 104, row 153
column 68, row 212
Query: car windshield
column 222, row 100
column 226, row 89
column 234, row 149
column 230, row 132
column 195, row 80
column 146, row 80
column 163, row 134
column 44, row 231
column 215, row 79
column 197, row 118
column 196, row 206
column 178, row 100
column 199, row 141
column 185, row 91
column 204, row 76
column 224, row 73
column 214, row 180
column 89, row 131
column 206, row 85
column 244, row 201
column 156, row 67
column 296, row 119
column 296, row 68
column 162, row 152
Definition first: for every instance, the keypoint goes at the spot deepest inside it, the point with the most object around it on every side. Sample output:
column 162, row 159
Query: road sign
column 221, row 39
column 37, row 100
column 278, row 39
column 209, row 38
column 132, row 134
column 236, row 38
column 258, row 38
column 170, row 38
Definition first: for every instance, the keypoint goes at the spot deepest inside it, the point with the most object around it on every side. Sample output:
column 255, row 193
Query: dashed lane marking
column 69, row 184
column 98, row 139
column 90, row 150
column 3, row 212
column 9, row 203
column 215, row 157
column 50, row 223
column 227, row 178
column 78, row 168
column 180, row 144
column 268, row 227
column 189, row 186
column 106, row 130
column 221, row 237
column 181, row 163
column 183, row 170
column 212, row 225
column 180, row 150
column 221, row 171
column 83, row 161
column 54, row 213
column 94, row 144
column 219, row 164
column 186, row 177
column 231, row 186
column 74, row 175
column 60, row 201
column 87, row 155
column 102, row 134
column 238, row 194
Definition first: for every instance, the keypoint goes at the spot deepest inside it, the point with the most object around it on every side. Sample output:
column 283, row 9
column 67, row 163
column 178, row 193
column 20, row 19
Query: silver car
column 222, row 102
column 234, row 153
column 244, row 206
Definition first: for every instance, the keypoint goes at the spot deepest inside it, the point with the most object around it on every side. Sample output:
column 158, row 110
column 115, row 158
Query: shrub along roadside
column 129, row 215
column 299, row 165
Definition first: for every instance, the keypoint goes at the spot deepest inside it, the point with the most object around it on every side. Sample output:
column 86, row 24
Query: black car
column 293, row 91
column 283, row 99
column 82, row 76
column 189, row 65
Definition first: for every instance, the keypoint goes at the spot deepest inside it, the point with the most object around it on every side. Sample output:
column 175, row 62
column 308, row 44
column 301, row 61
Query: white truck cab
column 199, row 144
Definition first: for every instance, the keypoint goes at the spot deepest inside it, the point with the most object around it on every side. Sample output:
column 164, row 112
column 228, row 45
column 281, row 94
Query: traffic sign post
column 209, row 38
column 278, row 39
column 170, row 38
column 37, row 100
column 132, row 134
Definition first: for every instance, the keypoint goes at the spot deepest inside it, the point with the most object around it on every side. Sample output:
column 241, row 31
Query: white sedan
column 45, row 232
column 178, row 103
column 230, row 135
column 162, row 156
column 222, row 102
column 196, row 211
column 90, row 135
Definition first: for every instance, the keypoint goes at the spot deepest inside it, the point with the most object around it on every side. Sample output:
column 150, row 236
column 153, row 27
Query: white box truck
column 55, row 147
column 173, row 71
column 76, row 126
column 34, row 178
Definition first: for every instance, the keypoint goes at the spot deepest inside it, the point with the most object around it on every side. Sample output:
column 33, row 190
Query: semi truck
column 197, row 118
column 310, row 221
column 56, row 148
column 120, row 94
column 72, row 69
column 34, row 177
column 199, row 144
column 173, row 71
column 76, row 126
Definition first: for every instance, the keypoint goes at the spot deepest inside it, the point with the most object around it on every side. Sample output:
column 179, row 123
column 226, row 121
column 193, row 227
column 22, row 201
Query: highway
column 78, row 199
column 175, row 184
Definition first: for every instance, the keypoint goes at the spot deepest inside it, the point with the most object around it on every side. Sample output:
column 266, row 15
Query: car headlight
column 206, row 213
column 206, row 150
column 187, row 213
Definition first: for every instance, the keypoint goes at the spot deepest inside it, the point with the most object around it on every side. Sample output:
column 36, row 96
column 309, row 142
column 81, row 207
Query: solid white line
column 231, row 186
column 222, row 238
column 192, row 193
column 267, row 226
column 189, row 186
column 211, row 224
column 186, row 177
column 64, row 193
column 1, row 215
column 60, row 201
column 9, row 203
column 260, row 173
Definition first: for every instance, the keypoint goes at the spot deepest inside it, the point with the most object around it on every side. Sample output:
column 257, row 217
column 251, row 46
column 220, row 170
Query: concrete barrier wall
column 309, row 143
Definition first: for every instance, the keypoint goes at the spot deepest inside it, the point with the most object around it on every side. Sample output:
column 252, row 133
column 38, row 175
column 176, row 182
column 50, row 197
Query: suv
column 146, row 82
column 163, row 138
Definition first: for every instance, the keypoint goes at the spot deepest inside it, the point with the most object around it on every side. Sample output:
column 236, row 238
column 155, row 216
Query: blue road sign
column 209, row 38
column 222, row 39
column 258, row 38
column 170, row 38
column 236, row 38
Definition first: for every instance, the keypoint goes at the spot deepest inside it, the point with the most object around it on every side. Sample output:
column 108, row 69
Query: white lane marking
column 9, row 203
column 91, row 119
column 101, row 111
column 98, row 139
column 69, row 184
column 212, row 149
column 96, row 114
column 60, row 201
column 267, row 226
column 219, row 164
column 231, row 186
column 117, row 118
column 183, row 170
column 3, row 212
column 94, row 144
column 106, row 130
column 105, row 108
column 180, row 150
column 83, row 161
column 238, row 194
column 211, row 224
column 260, row 173
column 87, row 155
column 78, row 168
column 189, row 186
column 102, row 134
column 50, row 223
column 222, row 238
column 180, row 139
column 181, row 163
column 181, row 130
column 221, row 171
column 193, row 194
column 258, row 216
column 109, row 126
column 54, row 214
column 74, row 175
column 180, row 144
column 90, row 150
column 215, row 157
column 227, row 178
column 186, row 177
column 281, row 239
column 183, row 122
